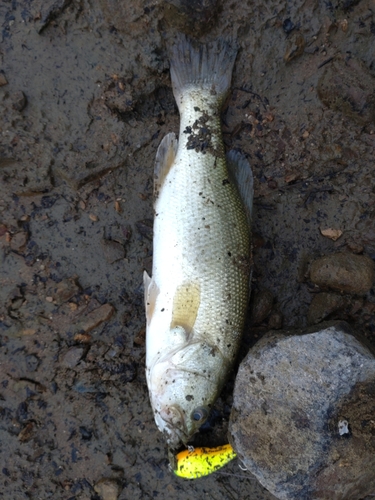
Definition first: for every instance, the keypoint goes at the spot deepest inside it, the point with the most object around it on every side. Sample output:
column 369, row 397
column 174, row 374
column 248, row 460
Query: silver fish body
column 197, row 297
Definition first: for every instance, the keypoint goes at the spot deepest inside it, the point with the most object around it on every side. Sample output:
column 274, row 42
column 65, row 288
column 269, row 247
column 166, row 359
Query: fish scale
column 197, row 297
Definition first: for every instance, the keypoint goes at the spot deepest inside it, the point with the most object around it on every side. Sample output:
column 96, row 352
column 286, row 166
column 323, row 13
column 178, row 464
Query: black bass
column 197, row 297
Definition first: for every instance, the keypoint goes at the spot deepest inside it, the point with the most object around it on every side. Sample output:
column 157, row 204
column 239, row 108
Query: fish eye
column 200, row 414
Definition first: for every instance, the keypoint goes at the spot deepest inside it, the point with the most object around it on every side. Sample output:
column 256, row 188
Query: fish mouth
column 171, row 422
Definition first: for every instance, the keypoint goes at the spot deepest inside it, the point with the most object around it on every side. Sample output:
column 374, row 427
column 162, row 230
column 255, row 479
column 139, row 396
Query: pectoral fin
column 186, row 305
column 151, row 293
column 240, row 172
column 165, row 157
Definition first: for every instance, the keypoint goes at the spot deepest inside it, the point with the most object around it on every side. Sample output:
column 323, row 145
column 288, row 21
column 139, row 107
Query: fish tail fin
column 202, row 67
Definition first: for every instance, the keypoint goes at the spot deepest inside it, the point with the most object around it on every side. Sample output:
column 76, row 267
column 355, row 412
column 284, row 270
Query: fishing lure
column 198, row 462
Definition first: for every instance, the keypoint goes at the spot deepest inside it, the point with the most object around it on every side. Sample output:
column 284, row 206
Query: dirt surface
column 85, row 100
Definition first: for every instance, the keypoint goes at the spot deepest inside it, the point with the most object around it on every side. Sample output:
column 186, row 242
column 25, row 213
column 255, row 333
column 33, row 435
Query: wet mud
column 85, row 99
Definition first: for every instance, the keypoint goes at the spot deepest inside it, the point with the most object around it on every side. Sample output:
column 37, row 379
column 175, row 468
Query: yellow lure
column 202, row 461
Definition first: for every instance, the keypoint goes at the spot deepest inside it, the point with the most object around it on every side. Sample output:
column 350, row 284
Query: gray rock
column 345, row 272
column 303, row 415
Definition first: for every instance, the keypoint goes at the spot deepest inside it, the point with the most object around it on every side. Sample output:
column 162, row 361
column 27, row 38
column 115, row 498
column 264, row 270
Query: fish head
column 184, row 385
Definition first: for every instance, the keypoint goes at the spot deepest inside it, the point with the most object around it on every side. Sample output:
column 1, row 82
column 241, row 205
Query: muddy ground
column 85, row 100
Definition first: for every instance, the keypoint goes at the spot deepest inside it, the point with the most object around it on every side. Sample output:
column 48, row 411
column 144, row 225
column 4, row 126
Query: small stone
column 145, row 228
column 261, row 306
column 72, row 357
column 276, row 320
column 3, row 80
column 139, row 338
column 272, row 184
column 19, row 241
column 302, row 417
column 113, row 250
column 26, row 433
column 290, row 178
column 86, row 434
column 333, row 234
column 32, row 362
column 344, row 25
column 28, row 331
column 355, row 247
column 82, row 338
column 118, row 207
column 295, row 47
column 19, row 101
column 108, row 489
column 322, row 305
column 49, row 299
column 96, row 317
column 63, row 291
column 93, row 217
column 344, row 272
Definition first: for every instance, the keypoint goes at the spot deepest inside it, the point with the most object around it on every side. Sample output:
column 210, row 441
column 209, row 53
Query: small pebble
column 3, row 80
column 345, row 272
column 93, row 217
column 19, row 101
column 26, row 433
column 32, row 362
column 113, row 250
column 108, row 489
column 261, row 306
column 333, row 234
column 96, row 317
column 19, row 241
column 322, row 305
column 275, row 321
column 82, row 338
column 63, row 291
column 72, row 357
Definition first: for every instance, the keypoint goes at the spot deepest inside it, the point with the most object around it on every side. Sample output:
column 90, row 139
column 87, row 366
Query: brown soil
column 85, row 100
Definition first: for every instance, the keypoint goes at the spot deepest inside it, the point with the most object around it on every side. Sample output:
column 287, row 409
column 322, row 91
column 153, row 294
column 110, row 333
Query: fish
column 197, row 297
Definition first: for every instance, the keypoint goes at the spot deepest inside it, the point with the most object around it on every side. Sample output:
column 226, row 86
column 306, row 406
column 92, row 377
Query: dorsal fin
column 185, row 306
column 151, row 293
column 240, row 172
column 165, row 157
